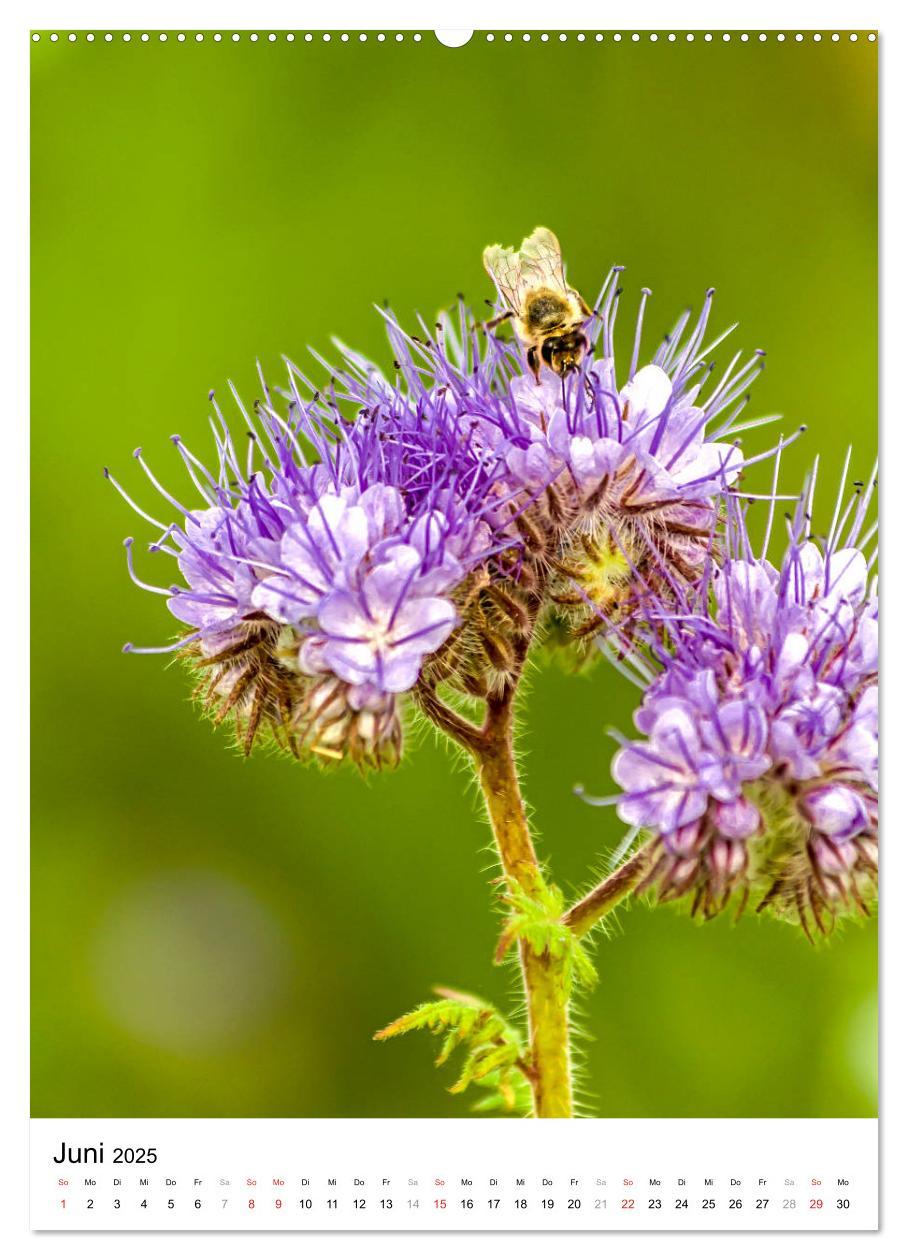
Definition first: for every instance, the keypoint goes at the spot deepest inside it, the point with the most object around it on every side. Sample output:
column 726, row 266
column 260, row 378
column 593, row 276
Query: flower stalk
column 591, row 909
column 544, row 978
column 543, row 974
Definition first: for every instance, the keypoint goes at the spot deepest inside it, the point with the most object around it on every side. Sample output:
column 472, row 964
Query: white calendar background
column 453, row 1174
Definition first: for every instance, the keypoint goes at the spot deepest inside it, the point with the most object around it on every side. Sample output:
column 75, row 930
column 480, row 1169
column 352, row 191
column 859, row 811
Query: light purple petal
column 837, row 811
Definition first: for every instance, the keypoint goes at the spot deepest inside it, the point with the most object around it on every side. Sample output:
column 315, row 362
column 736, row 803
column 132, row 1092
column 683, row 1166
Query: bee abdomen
column 546, row 311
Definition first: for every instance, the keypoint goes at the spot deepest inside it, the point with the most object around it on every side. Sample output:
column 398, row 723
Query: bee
column 547, row 314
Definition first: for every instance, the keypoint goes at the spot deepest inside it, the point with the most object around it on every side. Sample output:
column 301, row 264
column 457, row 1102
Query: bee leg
column 533, row 363
column 489, row 324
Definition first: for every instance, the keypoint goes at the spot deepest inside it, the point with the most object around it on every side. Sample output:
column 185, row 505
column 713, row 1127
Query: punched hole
column 453, row 38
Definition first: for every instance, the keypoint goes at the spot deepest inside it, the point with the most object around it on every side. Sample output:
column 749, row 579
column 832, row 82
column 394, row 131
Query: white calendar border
column 13, row 764
column 772, row 15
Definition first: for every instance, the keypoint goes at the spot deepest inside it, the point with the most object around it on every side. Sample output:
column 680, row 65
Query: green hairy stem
column 543, row 972
column 587, row 912
column 547, row 937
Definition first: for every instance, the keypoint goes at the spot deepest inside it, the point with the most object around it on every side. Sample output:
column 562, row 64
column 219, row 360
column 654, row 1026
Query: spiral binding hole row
column 399, row 37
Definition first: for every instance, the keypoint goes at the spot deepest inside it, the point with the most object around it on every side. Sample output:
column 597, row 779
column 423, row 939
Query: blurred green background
column 220, row 938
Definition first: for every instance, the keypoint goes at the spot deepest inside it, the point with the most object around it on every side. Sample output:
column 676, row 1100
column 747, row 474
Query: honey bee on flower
column 548, row 316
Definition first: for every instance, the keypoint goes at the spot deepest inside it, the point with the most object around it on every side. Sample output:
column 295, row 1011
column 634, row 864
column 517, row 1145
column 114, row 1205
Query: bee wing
column 540, row 261
column 503, row 265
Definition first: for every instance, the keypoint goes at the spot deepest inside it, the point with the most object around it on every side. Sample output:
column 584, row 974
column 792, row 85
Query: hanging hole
column 453, row 38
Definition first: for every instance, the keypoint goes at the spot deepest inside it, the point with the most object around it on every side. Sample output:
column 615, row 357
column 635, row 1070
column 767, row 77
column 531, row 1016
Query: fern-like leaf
column 494, row 1052
column 537, row 919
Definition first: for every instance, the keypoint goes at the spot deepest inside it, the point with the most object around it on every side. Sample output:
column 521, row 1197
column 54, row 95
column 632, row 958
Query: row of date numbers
column 467, row 1205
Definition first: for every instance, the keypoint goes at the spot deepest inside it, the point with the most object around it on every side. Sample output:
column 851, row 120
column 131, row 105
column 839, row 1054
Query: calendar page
column 455, row 619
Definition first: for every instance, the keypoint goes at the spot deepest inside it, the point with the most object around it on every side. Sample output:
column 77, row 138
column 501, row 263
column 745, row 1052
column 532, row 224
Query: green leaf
column 495, row 1056
column 536, row 919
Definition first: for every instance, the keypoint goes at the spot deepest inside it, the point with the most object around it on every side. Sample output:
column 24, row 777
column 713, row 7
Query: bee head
column 564, row 352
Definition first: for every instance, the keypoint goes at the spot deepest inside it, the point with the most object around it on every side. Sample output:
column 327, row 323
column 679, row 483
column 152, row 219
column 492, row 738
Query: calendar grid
column 605, row 1175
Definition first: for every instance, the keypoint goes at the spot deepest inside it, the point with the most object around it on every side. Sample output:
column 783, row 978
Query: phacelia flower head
column 757, row 769
column 610, row 478
column 321, row 573
column 393, row 533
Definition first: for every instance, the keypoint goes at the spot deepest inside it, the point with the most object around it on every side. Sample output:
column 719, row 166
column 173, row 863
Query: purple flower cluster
column 646, row 438
column 385, row 534
column 758, row 766
column 365, row 583
column 609, row 486
column 341, row 554
column 631, row 447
